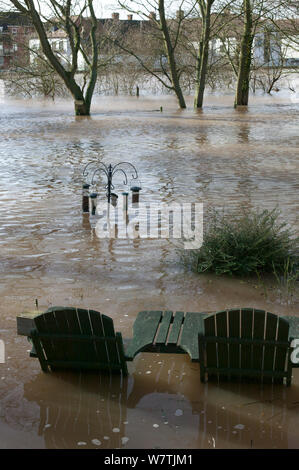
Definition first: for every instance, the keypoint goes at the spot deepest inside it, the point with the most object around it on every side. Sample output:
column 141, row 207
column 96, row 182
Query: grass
column 253, row 243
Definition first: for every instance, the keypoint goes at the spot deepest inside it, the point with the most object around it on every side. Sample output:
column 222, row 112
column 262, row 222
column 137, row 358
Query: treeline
column 205, row 42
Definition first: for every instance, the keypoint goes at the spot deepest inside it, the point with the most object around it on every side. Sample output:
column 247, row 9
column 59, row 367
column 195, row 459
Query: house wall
column 13, row 45
column 62, row 49
column 290, row 48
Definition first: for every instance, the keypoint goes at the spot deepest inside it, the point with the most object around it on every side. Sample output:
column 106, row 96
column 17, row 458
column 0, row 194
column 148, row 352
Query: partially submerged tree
column 257, row 16
column 68, row 16
column 205, row 7
column 242, row 90
column 212, row 18
column 164, row 32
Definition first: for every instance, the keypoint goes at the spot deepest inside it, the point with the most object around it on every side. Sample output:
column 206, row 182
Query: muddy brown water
column 221, row 157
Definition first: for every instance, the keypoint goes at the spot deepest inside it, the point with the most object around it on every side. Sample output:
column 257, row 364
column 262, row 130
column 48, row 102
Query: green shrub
column 252, row 243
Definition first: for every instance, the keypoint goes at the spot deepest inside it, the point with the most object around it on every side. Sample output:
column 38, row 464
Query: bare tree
column 273, row 19
column 276, row 66
column 242, row 90
column 203, row 51
column 213, row 19
column 165, row 33
column 34, row 80
column 68, row 15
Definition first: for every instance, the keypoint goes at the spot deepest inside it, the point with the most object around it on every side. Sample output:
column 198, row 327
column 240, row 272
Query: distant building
column 272, row 46
column 15, row 30
column 60, row 44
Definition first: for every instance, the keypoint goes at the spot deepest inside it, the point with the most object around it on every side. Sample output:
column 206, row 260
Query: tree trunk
column 82, row 104
column 175, row 78
column 178, row 90
column 242, row 92
column 82, row 108
column 203, row 55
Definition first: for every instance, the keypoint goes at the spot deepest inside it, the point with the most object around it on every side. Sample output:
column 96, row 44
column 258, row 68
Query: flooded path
column 48, row 251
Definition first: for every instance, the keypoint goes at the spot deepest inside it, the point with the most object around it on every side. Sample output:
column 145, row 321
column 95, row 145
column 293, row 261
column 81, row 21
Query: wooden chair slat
column 72, row 346
column 222, row 348
column 246, row 333
column 62, row 351
column 234, row 332
column 259, row 333
column 269, row 351
column 211, row 349
column 47, row 322
column 281, row 355
column 86, row 350
column 97, row 328
column 164, row 328
column 176, row 328
column 112, row 350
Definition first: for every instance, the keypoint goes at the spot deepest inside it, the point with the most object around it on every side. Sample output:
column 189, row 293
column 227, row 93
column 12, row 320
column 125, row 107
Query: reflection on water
column 221, row 157
column 161, row 404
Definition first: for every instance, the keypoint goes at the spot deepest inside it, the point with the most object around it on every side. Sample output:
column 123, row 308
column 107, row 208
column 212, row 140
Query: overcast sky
column 104, row 8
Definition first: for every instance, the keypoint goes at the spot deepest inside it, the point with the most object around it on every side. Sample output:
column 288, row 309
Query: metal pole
column 109, row 182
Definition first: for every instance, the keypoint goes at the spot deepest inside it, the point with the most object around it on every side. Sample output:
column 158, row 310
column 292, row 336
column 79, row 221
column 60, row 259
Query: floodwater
column 49, row 251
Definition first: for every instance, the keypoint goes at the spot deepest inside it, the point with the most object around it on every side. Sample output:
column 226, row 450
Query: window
column 61, row 48
column 1, row 61
column 1, row 29
column 34, row 45
column 14, row 30
column 1, row 49
column 14, row 47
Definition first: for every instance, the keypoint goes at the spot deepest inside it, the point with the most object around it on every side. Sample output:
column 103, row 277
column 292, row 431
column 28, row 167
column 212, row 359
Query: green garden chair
column 245, row 344
column 74, row 338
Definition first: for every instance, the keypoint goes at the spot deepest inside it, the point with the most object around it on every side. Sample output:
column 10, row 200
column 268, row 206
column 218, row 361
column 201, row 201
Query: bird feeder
column 135, row 188
column 125, row 201
column 93, row 203
column 113, row 199
column 85, row 197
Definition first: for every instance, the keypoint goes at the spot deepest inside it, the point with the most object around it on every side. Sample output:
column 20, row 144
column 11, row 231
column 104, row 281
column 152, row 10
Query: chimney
column 180, row 14
column 115, row 16
column 152, row 15
column 130, row 17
